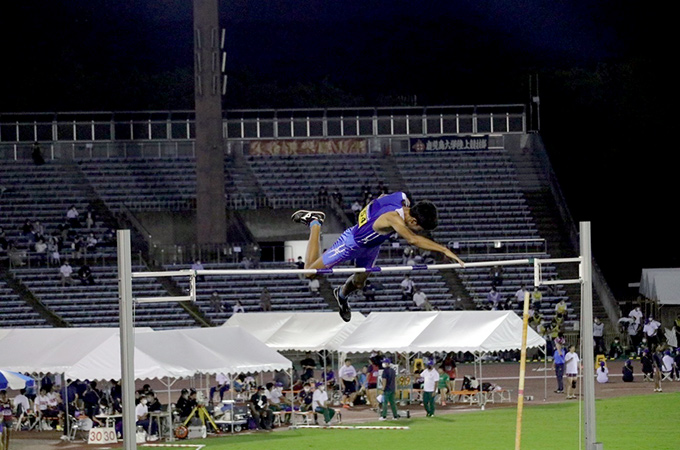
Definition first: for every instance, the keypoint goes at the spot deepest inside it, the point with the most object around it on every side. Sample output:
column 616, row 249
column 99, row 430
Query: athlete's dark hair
column 425, row 213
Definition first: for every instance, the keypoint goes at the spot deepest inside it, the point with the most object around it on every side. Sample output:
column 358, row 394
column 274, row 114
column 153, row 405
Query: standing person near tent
column 7, row 419
column 430, row 381
column 377, row 222
column 389, row 385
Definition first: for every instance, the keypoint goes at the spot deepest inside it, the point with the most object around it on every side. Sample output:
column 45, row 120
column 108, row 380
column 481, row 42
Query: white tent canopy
column 445, row 331
column 94, row 353
column 662, row 285
column 303, row 331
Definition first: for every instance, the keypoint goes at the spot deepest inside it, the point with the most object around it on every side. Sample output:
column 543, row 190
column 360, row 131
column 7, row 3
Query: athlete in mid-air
column 377, row 222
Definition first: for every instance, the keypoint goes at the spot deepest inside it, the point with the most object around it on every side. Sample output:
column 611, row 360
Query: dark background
column 601, row 67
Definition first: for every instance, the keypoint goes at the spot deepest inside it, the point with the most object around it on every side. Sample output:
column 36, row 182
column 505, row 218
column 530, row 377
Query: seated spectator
column 216, row 302
column 142, row 415
column 369, row 291
column 85, row 275
column 321, row 404
column 46, row 409
column 197, row 265
column 615, row 349
column 21, row 403
column 561, row 307
column 153, row 404
column 421, row 301
column 91, row 243
column 314, row 286
column 602, row 373
column 259, row 408
column 407, row 288
column 668, row 364
column 304, row 397
column 65, row 271
column 238, row 307
column 627, row 371
column 186, row 403
column 493, row 298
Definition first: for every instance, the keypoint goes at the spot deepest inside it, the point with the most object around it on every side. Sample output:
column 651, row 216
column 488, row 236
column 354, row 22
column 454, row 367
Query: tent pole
column 127, row 339
column 545, row 372
column 522, row 372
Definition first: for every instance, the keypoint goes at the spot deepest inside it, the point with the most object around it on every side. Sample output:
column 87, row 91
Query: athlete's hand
column 449, row 254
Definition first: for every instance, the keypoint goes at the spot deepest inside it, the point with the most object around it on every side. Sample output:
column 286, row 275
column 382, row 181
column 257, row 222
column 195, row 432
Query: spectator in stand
column 322, row 196
column 627, row 371
column 407, row 288
column 41, row 251
column 186, row 403
column 65, row 271
column 36, row 154
column 493, row 298
column 91, row 243
column 85, row 275
column 561, row 307
column 313, row 285
column 73, row 217
column 356, row 209
column 496, row 276
column 304, row 397
column 337, row 197
column 197, row 265
column 519, row 296
column 265, row 300
column 421, row 301
column 238, row 307
column 536, row 296
column 216, row 302
column 369, row 291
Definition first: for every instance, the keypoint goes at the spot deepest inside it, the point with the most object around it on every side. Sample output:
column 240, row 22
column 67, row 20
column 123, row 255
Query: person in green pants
column 389, row 384
column 430, row 381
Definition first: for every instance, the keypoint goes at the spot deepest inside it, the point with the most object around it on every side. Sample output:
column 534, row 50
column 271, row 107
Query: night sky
column 600, row 65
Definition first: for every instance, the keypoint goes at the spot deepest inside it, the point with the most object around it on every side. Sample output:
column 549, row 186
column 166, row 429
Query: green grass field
column 647, row 422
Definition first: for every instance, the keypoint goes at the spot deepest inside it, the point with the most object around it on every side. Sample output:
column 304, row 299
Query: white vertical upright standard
column 127, row 339
column 587, row 338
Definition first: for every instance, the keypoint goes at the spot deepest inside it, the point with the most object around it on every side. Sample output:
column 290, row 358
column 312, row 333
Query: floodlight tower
column 211, row 217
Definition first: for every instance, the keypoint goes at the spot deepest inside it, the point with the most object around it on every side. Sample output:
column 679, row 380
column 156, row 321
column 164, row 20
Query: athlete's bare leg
column 313, row 259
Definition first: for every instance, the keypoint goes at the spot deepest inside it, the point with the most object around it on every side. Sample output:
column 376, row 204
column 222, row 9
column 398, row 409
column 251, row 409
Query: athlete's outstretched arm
column 398, row 225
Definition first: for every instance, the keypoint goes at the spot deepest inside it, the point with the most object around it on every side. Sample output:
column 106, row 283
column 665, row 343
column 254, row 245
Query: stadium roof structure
column 445, row 331
column 94, row 353
column 662, row 285
column 301, row 331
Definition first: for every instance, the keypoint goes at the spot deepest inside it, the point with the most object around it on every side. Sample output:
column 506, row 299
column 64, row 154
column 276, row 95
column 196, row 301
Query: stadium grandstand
column 489, row 176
